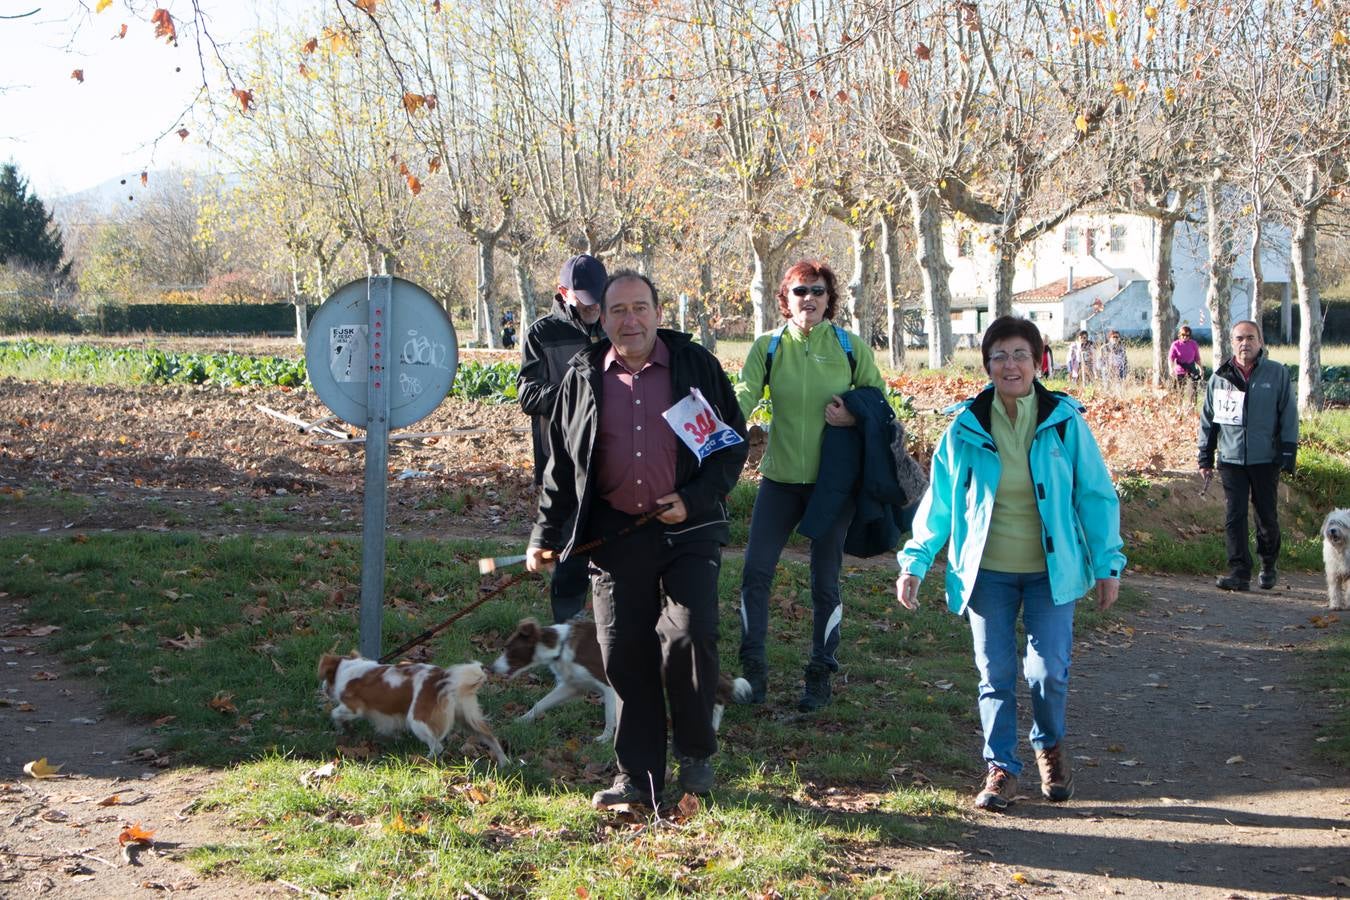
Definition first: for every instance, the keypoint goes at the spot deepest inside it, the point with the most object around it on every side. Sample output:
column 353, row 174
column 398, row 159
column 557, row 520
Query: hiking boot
column 1000, row 787
column 1056, row 779
column 1234, row 583
column 756, row 672
column 816, row 691
column 1267, row 577
column 696, row 775
column 622, row 792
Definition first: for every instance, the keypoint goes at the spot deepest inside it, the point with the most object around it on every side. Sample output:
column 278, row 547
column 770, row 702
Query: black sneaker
column 756, row 672
column 696, row 775
column 1267, row 577
column 621, row 793
column 1233, row 583
column 816, row 691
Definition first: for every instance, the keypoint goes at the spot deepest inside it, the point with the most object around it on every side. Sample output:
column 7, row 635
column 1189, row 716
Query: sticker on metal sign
column 414, row 351
column 347, row 348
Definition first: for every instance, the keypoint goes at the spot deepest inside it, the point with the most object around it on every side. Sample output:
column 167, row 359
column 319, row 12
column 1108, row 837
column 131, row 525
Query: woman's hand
column 907, row 590
column 836, row 413
column 1108, row 589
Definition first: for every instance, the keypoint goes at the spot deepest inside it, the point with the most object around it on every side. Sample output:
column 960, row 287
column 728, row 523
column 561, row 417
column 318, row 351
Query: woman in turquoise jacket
column 805, row 367
column 1025, row 506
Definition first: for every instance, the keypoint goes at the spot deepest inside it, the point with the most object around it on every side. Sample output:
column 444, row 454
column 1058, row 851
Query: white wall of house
column 1061, row 319
column 1124, row 246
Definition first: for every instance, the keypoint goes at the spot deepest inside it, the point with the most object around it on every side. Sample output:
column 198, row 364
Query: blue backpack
column 839, row 333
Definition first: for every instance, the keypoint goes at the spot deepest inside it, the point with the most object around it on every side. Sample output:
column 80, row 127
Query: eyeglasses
column 815, row 290
column 1001, row 358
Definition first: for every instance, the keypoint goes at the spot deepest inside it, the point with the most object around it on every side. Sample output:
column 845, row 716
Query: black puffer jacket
column 551, row 341
column 569, row 483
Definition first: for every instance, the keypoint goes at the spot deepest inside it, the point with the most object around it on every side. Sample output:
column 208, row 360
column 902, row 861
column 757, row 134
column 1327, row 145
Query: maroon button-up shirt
column 635, row 449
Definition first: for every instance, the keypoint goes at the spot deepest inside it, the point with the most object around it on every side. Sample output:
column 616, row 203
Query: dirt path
column 1192, row 736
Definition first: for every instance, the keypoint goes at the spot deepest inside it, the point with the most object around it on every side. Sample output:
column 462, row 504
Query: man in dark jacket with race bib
column 624, row 469
column 552, row 340
column 1250, row 420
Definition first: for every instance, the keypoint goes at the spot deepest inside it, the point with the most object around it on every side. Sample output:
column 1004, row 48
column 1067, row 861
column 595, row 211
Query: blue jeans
column 994, row 604
column 778, row 509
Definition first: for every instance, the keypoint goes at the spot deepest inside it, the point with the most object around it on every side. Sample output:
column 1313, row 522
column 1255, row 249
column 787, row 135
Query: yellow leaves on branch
column 1339, row 39
column 1150, row 12
column 1170, row 95
column 164, row 27
column 1081, row 123
column 102, row 5
column 338, row 40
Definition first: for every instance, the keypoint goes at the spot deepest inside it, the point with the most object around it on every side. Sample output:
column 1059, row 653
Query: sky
column 67, row 136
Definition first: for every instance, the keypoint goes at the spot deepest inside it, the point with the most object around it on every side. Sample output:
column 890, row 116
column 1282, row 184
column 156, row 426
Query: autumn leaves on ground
column 196, row 554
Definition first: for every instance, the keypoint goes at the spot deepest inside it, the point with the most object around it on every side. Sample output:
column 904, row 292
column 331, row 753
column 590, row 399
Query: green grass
column 216, row 639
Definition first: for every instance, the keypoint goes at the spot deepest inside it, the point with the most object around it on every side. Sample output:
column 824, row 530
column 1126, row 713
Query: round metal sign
column 416, row 353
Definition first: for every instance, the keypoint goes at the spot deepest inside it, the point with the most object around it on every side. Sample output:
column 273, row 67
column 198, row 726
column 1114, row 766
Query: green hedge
column 193, row 318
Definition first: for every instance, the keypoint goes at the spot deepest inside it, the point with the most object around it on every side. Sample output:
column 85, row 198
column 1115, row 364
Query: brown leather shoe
column 1056, row 779
column 1000, row 787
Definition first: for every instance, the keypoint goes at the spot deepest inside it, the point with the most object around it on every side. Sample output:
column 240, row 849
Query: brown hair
column 809, row 270
column 1005, row 327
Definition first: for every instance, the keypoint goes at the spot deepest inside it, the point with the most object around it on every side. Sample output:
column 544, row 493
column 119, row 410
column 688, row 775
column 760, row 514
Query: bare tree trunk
column 301, row 303
column 1254, row 309
column 926, row 208
column 703, row 311
column 1304, row 259
column 1164, row 313
column 525, row 288
column 768, row 266
column 890, row 267
column 485, row 328
column 1000, row 301
column 863, row 253
column 1219, row 291
column 1286, row 315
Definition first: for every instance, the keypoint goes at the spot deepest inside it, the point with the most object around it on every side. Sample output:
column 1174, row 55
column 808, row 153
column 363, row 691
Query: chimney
column 1068, row 287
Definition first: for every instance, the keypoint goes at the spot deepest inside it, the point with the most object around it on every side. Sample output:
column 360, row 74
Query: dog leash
column 437, row 629
column 516, row 579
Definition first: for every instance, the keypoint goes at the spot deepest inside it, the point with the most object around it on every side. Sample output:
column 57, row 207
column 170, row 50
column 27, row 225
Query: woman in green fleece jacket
column 805, row 366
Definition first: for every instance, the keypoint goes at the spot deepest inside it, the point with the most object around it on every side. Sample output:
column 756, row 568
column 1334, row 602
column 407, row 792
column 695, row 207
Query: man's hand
column 1108, row 589
column 907, row 590
column 836, row 413
column 537, row 558
column 677, row 512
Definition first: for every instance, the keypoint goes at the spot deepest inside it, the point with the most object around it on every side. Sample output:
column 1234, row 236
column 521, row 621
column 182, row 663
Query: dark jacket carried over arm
column 857, row 461
column 549, row 344
column 569, row 484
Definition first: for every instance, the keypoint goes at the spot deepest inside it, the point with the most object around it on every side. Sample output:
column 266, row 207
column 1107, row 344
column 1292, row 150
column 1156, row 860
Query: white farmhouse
column 1093, row 272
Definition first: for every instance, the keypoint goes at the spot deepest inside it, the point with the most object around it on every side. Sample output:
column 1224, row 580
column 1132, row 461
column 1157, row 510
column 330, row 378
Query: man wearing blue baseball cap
column 552, row 340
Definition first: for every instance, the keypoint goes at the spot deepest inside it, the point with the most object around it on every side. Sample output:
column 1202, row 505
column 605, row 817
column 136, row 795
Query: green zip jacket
column 808, row 369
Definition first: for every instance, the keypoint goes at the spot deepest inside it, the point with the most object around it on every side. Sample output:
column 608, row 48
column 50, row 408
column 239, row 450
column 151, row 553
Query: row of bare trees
column 697, row 137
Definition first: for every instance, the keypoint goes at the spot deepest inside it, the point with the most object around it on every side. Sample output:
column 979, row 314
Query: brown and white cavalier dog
column 424, row 699
column 572, row 652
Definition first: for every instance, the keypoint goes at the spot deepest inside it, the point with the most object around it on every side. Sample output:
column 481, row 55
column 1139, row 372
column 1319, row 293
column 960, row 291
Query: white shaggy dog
column 1336, row 557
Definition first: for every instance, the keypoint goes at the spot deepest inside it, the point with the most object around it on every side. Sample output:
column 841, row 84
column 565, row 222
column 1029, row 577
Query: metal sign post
column 381, row 354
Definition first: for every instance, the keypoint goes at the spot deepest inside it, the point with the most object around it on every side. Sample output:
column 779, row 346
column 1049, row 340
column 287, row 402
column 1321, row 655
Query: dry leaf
column 688, row 806
column 111, row 801
column 78, row 75
column 164, row 28
column 398, row 826
column 223, row 702
column 1234, row 760
column 135, row 834
column 102, row 5
column 39, row 768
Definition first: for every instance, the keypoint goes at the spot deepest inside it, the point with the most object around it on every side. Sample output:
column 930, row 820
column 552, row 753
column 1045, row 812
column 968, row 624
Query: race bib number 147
column 1228, row 406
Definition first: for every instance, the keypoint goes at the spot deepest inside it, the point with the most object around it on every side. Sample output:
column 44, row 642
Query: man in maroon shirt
column 613, row 461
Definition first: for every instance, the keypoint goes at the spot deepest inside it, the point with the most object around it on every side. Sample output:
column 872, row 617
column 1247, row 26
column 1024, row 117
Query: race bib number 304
column 694, row 420
column 1228, row 406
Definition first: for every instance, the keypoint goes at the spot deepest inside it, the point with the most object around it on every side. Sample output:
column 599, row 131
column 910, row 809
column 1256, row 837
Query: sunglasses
column 801, row 290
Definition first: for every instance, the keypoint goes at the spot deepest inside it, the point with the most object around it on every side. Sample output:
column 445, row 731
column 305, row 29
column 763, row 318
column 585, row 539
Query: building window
column 1033, row 315
column 1117, row 238
column 1071, row 239
column 964, row 245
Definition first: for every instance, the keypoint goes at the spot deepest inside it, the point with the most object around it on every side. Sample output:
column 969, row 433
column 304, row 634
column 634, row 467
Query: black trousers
column 656, row 619
column 1259, row 484
column 567, row 589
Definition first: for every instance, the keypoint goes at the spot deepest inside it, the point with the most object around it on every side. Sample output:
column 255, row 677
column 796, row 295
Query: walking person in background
column 551, row 341
column 1185, row 358
column 1112, row 362
column 1047, row 357
column 1081, row 359
column 1250, row 421
column 804, row 366
column 1018, row 541
column 615, row 462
